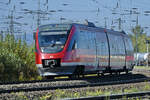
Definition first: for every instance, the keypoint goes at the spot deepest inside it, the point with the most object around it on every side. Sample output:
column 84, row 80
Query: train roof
column 100, row 28
column 67, row 26
column 59, row 26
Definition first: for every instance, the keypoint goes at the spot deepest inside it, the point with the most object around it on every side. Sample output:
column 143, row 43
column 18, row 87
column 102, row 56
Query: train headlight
column 51, row 63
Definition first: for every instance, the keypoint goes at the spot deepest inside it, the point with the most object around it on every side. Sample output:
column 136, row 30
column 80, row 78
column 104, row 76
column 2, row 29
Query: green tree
column 17, row 60
column 138, row 33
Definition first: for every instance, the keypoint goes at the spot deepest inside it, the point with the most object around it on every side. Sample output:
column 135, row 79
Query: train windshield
column 52, row 41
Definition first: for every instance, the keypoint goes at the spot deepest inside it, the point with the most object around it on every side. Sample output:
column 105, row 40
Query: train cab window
column 52, row 41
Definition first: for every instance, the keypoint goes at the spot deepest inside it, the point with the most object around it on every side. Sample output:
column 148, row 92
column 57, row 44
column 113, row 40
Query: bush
column 17, row 60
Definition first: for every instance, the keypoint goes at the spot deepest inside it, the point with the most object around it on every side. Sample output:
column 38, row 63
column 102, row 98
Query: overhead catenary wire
column 99, row 6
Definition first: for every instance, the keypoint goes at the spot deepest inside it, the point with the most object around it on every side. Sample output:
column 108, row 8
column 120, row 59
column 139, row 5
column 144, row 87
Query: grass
column 142, row 67
column 97, row 92
column 77, row 93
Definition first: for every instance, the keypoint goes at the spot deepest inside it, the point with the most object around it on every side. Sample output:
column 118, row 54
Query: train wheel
column 111, row 73
column 127, row 71
column 50, row 77
column 73, row 76
column 79, row 71
column 98, row 74
column 109, row 70
column 116, row 73
column 102, row 74
column 83, row 76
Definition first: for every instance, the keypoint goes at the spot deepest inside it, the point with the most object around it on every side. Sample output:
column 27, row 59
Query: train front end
column 51, row 43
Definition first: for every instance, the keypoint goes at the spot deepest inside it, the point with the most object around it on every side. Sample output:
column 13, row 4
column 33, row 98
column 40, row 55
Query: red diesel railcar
column 67, row 49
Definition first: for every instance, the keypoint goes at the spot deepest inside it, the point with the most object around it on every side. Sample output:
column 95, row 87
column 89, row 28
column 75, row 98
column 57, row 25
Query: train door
column 91, row 61
column 87, row 48
column 129, row 52
column 102, row 50
column 93, row 50
column 117, row 51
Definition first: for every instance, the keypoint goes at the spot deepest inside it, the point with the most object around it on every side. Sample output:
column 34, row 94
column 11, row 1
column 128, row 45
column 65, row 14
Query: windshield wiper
column 52, row 44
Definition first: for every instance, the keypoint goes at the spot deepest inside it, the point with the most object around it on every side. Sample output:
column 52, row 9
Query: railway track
column 33, row 81
column 141, row 95
column 69, row 84
column 137, row 71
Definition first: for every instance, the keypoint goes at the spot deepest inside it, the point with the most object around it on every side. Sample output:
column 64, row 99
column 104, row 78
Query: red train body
column 65, row 49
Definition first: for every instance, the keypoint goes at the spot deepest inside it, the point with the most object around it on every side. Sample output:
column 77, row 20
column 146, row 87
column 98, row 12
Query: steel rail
column 113, row 96
column 54, row 80
column 33, row 81
column 74, row 86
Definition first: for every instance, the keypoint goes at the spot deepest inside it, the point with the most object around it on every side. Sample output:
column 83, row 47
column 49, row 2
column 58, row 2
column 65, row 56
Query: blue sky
column 76, row 11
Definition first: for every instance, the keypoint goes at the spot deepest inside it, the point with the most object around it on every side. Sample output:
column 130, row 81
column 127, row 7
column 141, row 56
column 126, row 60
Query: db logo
column 51, row 56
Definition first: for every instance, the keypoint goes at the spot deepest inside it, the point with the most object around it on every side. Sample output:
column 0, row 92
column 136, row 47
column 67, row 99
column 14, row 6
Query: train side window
column 34, row 35
column 128, row 44
column 118, row 43
column 82, row 40
column 74, row 45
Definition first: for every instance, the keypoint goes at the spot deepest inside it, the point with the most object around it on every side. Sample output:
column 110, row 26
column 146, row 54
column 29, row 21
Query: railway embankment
column 75, row 88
